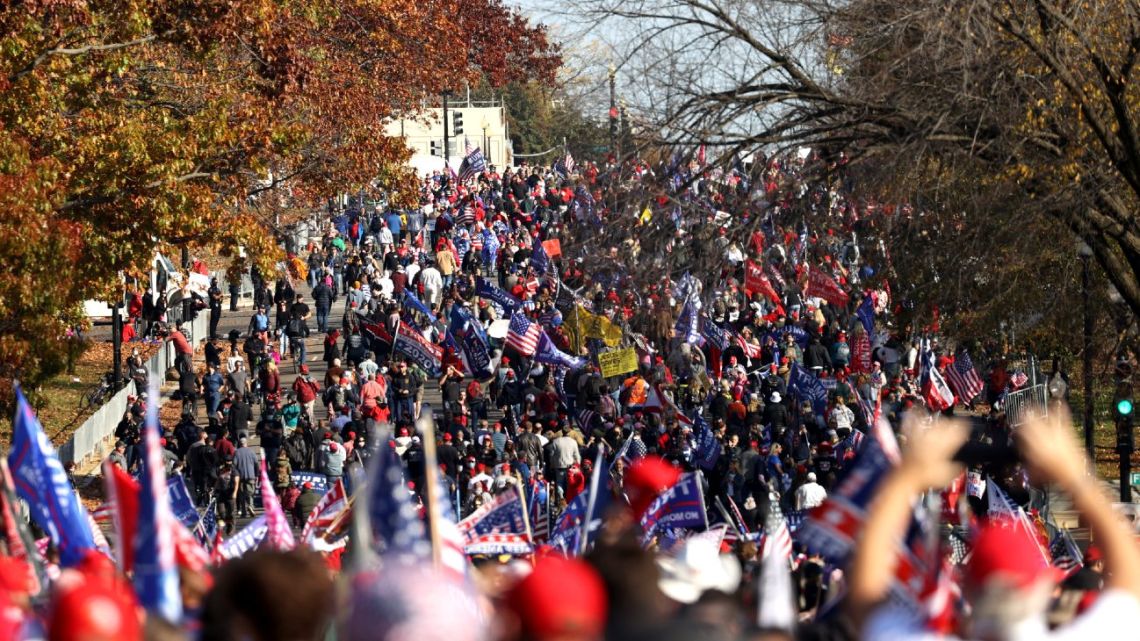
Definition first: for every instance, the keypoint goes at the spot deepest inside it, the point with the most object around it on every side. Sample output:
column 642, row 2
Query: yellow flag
column 595, row 326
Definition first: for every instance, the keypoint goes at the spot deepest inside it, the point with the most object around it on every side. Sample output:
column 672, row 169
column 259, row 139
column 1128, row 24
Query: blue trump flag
column 716, row 335
column 549, row 354
column 484, row 289
column 539, row 258
column 567, row 532
column 681, row 506
column 686, row 326
column 418, row 305
column 708, row 449
column 156, row 572
column 866, row 314
column 808, row 388
column 467, row 331
column 41, row 481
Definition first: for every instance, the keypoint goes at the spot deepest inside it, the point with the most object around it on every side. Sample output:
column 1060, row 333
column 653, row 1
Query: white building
column 484, row 125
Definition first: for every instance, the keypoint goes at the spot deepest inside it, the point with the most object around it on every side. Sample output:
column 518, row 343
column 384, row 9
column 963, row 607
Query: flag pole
column 595, row 481
column 426, row 426
column 526, row 514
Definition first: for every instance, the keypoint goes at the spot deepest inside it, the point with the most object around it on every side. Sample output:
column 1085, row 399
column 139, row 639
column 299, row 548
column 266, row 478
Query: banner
column 320, row 481
column 861, row 354
column 553, row 247
column 247, row 539
column 807, row 388
column 618, row 361
column 412, row 344
column 822, row 285
column 484, row 289
column 681, row 506
column 755, row 281
column 798, row 333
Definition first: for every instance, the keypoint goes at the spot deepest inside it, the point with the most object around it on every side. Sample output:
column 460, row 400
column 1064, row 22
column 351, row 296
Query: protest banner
column 618, row 361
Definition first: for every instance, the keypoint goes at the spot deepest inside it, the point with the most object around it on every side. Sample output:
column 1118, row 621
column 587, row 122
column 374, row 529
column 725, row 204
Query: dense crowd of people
column 769, row 372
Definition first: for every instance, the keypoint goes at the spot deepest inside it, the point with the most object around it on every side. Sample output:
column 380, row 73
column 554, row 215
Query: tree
column 1009, row 125
column 129, row 126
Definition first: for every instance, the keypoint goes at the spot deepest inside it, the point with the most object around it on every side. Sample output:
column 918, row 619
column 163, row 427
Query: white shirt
column 1112, row 616
column 810, row 495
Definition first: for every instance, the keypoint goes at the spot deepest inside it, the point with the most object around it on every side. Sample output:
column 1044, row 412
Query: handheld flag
column 523, row 335
column 41, row 481
column 498, row 527
column 279, row 535
column 156, row 573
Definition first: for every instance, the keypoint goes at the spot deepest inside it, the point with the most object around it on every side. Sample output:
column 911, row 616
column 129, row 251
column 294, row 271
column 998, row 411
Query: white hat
column 775, row 398
column 697, row 568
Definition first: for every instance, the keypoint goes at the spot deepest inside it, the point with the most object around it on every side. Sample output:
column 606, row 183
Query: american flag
column 735, row 511
column 466, row 215
column 473, row 164
column 188, row 551
column 751, row 350
column 452, row 559
column 208, row 527
column 1066, row 555
column 498, row 527
column 540, row 508
column 279, row 535
column 395, row 523
column 327, row 511
column 523, row 335
column 777, row 537
column 962, row 377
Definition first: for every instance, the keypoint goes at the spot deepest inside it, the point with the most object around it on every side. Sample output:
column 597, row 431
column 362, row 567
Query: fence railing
column 93, row 436
column 1025, row 404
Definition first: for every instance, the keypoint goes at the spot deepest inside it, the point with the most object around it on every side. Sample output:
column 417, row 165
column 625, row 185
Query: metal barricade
column 1025, row 404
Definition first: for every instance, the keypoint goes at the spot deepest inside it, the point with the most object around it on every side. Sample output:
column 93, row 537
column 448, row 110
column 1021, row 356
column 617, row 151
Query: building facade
column 483, row 125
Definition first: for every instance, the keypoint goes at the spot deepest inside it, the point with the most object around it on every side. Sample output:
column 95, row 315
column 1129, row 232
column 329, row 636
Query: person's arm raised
column 1050, row 451
column 927, row 462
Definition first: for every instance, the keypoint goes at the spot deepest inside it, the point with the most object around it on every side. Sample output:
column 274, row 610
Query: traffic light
column 456, row 123
column 436, row 148
column 1122, row 409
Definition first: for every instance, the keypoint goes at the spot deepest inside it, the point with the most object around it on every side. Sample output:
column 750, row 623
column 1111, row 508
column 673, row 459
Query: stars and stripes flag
column 935, row 391
column 279, row 535
column 777, row 536
column 325, row 513
column 1066, row 555
column 539, row 509
column 498, row 527
column 207, row 529
column 523, row 335
column 963, row 378
column 466, row 215
column 473, row 162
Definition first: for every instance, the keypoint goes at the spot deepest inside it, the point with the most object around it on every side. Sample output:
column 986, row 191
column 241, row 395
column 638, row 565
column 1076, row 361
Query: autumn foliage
column 129, row 125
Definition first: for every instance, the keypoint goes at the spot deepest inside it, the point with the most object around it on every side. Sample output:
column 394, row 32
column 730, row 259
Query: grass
column 58, row 398
column 1104, row 429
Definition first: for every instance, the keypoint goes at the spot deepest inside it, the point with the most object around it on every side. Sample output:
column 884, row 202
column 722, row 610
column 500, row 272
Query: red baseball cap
column 94, row 611
column 647, row 478
column 561, row 598
column 1004, row 548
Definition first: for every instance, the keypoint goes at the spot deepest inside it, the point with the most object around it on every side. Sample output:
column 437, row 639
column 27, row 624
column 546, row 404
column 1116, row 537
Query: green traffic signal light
column 1124, row 407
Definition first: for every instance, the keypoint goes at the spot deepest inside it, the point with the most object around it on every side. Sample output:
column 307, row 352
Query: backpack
column 337, row 396
column 295, row 328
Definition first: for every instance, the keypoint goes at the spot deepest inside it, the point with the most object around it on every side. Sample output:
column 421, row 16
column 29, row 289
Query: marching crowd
column 763, row 450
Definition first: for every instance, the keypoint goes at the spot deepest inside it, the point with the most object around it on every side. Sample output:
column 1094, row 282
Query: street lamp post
column 486, row 143
column 1084, row 252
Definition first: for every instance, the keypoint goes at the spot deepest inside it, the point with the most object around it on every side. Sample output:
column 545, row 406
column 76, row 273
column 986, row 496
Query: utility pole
column 1084, row 252
column 446, row 134
column 117, row 340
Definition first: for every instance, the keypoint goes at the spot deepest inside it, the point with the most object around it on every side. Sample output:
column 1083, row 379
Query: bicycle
column 99, row 394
